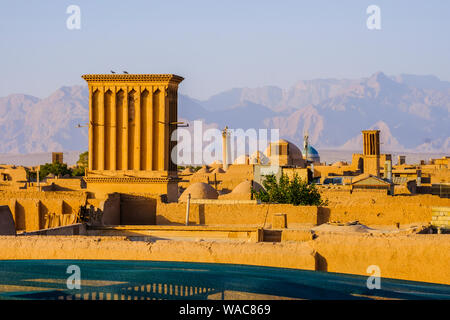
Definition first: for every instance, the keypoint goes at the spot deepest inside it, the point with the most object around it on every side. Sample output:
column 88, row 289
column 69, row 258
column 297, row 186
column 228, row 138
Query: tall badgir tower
column 131, row 120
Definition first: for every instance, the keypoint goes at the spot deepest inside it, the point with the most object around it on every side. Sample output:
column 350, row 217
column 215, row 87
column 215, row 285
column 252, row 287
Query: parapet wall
column 290, row 255
column 414, row 257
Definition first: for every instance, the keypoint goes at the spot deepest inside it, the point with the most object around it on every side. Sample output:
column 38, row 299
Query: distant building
column 372, row 183
column 284, row 153
column 57, row 157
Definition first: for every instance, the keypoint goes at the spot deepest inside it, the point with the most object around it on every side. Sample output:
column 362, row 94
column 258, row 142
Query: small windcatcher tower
column 371, row 152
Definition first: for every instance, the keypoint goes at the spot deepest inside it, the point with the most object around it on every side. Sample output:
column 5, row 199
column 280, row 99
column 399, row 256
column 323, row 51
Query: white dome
column 262, row 158
column 242, row 159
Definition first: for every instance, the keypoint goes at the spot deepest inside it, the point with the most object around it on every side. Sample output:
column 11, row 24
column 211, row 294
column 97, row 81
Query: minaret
column 305, row 146
column 225, row 148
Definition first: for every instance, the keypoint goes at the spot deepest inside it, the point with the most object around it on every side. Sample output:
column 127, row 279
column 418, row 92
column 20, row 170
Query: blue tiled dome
column 313, row 155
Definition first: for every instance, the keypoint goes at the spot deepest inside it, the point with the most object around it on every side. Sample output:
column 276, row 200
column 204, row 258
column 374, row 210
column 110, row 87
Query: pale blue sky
column 217, row 45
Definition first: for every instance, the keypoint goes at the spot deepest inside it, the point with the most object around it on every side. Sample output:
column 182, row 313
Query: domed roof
column 313, row 154
column 199, row 190
column 262, row 158
column 203, row 169
column 187, row 170
column 242, row 159
column 216, row 162
column 294, row 151
column 311, row 151
column 294, row 154
column 339, row 164
column 245, row 187
column 218, row 170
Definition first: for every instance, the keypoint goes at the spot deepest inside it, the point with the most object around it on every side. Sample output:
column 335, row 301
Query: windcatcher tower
column 131, row 121
column 371, row 152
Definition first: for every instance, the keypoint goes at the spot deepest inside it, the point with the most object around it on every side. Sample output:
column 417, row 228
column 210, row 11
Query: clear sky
column 217, row 45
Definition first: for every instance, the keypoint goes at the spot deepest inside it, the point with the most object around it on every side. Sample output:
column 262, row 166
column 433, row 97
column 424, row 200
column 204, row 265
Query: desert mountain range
column 412, row 112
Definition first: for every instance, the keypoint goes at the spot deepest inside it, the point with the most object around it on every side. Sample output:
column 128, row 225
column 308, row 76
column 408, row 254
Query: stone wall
column 441, row 218
column 33, row 210
column 234, row 214
column 377, row 209
column 369, row 209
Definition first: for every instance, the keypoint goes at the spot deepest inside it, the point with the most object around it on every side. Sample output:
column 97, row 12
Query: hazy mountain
column 412, row 111
column 268, row 96
column 387, row 140
column 29, row 124
column 13, row 109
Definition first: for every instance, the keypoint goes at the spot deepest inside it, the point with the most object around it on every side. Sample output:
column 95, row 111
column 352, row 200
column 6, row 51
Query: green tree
column 83, row 159
column 295, row 191
column 55, row 168
column 82, row 163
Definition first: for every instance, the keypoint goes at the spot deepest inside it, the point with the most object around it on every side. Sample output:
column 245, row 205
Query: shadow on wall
column 323, row 215
column 20, row 215
column 137, row 210
column 201, row 213
column 7, row 226
column 196, row 216
column 166, row 222
column 321, row 262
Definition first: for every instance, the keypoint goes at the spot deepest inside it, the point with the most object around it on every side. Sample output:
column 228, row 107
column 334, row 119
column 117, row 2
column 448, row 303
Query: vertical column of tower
column 91, row 132
column 156, row 127
column 131, row 127
column 377, row 143
column 108, row 113
column 372, row 144
column 172, row 118
column 144, row 125
column 125, row 132
column 95, row 132
column 137, row 131
column 150, row 127
column 113, row 131
column 364, row 143
column 374, row 147
column 164, row 127
column 101, row 130
column 120, row 97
